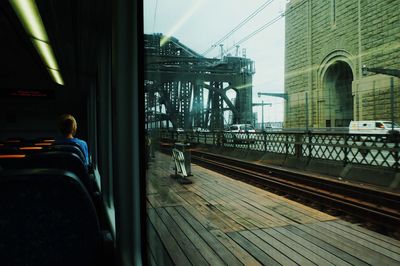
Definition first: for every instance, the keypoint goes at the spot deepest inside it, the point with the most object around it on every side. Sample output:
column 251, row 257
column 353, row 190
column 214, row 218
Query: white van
column 372, row 127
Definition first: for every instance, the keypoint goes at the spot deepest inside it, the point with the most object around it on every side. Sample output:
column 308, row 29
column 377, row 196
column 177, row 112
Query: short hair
column 67, row 125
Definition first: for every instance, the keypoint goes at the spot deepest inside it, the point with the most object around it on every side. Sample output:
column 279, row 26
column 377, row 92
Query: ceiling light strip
column 46, row 53
column 55, row 74
column 29, row 16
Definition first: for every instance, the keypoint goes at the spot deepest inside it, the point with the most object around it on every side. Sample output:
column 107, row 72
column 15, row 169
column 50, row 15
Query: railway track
column 368, row 204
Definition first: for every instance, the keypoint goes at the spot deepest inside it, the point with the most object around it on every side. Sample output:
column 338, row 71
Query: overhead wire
column 243, row 22
column 263, row 27
column 155, row 16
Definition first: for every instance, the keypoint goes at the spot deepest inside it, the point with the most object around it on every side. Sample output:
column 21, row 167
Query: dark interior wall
column 31, row 118
column 73, row 30
column 74, row 101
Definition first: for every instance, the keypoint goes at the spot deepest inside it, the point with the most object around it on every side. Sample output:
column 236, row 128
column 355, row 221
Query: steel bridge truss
column 189, row 90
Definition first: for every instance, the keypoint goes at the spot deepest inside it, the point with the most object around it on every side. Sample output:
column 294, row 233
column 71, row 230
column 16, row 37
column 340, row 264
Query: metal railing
column 374, row 150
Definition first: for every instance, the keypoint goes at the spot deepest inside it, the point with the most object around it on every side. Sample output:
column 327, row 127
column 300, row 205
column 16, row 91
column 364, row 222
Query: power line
column 155, row 16
column 243, row 22
column 263, row 27
column 269, row 23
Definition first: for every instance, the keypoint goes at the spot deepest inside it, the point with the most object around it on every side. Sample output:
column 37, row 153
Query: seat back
column 46, row 218
column 61, row 160
column 70, row 143
column 51, row 159
column 68, row 148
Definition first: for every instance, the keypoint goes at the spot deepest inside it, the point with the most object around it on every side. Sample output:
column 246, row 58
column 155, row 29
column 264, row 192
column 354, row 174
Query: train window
column 305, row 70
column 200, row 59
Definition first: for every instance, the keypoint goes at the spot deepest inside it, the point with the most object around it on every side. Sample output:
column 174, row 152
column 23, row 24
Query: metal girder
column 274, row 94
column 385, row 71
column 165, row 76
column 224, row 97
column 180, row 75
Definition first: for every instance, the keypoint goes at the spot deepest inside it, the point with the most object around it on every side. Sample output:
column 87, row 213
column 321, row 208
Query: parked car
column 241, row 128
column 240, row 133
column 199, row 129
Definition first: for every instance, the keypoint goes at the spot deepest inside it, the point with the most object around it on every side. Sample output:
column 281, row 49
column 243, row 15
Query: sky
column 199, row 24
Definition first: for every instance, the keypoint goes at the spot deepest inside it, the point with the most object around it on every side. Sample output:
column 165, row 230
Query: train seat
column 51, row 159
column 62, row 160
column 68, row 148
column 61, row 142
column 28, row 149
column 47, row 218
column 4, row 150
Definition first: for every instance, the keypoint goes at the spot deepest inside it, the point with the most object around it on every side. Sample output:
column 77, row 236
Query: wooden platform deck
column 221, row 221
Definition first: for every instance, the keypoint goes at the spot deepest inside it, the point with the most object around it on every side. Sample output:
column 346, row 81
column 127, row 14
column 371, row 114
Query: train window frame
column 128, row 132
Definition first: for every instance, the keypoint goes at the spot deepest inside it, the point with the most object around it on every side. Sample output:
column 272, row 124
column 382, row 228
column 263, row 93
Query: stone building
column 327, row 43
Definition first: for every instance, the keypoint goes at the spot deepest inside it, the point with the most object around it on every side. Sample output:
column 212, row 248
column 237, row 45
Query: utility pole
column 392, row 101
column 262, row 115
column 262, row 111
column 306, row 111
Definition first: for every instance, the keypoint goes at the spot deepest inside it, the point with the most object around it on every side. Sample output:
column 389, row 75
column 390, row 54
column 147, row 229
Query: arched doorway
column 337, row 95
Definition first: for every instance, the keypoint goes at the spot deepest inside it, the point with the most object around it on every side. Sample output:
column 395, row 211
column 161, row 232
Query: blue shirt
column 81, row 143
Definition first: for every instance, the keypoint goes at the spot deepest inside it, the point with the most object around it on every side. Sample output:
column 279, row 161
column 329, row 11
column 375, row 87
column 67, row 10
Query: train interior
column 79, row 58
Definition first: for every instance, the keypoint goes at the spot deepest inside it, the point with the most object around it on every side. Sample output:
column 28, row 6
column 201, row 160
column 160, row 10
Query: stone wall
column 321, row 33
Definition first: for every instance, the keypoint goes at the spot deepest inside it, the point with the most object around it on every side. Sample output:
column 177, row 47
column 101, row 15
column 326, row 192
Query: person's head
column 67, row 125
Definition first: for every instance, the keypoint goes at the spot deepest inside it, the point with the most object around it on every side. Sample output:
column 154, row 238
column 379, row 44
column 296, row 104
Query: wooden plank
column 320, row 252
column 240, row 207
column 212, row 241
column 312, row 237
column 231, row 245
column 156, row 248
column 192, row 198
column 365, row 254
column 263, row 193
column 151, row 259
column 186, row 245
column 207, row 252
column 357, row 238
column 302, row 251
column 269, row 248
column 265, row 218
column 284, row 249
column 235, row 210
column 252, row 249
column 231, row 213
column 213, row 216
column 259, row 205
column 159, row 178
column 287, row 208
column 241, row 254
column 150, row 189
column 385, row 239
column 214, row 198
column 166, row 198
column 153, row 202
column 230, row 197
column 162, row 190
column 176, row 253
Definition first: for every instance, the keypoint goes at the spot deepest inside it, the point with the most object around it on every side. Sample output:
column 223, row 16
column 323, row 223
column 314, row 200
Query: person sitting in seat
column 68, row 126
